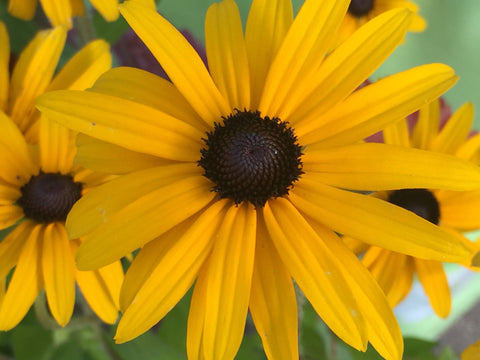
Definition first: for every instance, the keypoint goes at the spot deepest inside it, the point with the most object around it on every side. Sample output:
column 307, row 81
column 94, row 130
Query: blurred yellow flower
column 39, row 184
column 452, row 211
column 361, row 11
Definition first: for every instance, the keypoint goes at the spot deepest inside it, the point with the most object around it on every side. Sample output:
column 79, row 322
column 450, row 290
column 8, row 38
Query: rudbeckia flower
column 361, row 11
column 60, row 12
column 39, row 184
column 452, row 211
column 235, row 180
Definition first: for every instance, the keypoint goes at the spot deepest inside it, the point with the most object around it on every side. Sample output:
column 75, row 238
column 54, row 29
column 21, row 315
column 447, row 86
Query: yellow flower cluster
column 242, row 180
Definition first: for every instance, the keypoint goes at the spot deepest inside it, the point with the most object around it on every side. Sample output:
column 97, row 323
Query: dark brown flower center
column 420, row 201
column 360, row 7
column 251, row 158
column 48, row 197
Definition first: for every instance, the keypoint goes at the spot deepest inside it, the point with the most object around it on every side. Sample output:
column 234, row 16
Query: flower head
column 361, row 11
column 234, row 178
column 452, row 211
column 39, row 184
column 62, row 12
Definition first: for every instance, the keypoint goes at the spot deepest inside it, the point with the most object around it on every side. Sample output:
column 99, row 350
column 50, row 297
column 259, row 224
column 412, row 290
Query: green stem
column 42, row 313
column 85, row 28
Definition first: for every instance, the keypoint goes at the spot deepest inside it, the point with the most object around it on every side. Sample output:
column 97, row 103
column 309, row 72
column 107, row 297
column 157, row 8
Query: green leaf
column 313, row 335
column 31, row 341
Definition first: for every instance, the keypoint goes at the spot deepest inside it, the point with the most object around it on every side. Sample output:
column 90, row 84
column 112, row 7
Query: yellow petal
column 469, row 149
column 226, row 53
column 108, row 8
column 382, row 327
column 58, row 272
column 460, row 209
column 126, row 123
column 372, row 166
column 397, row 134
column 178, row 58
column 229, row 282
column 103, row 202
column 471, row 353
column 272, row 301
column 377, row 222
column 57, row 147
column 15, row 157
column 196, row 315
column 136, row 85
column 101, row 289
column 148, row 258
column 9, row 215
column 427, row 125
column 393, row 272
column 141, row 220
column 302, row 51
column 4, row 63
column 371, row 108
column 173, row 275
column 12, row 245
column 105, row 157
column 348, row 66
column 22, row 9
column 455, row 131
column 267, row 25
column 434, row 282
column 81, row 71
column 26, row 282
column 33, row 72
column 58, row 12
column 316, row 270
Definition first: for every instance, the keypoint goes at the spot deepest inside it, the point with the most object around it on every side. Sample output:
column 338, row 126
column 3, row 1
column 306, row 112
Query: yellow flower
column 39, row 184
column 235, row 179
column 471, row 352
column 452, row 211
column 60, row 12
column 361, row 11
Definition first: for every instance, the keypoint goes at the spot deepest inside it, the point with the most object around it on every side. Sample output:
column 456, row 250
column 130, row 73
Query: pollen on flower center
column 251, row 158
column 48, row 197
column 360, row 7
column 420, row 201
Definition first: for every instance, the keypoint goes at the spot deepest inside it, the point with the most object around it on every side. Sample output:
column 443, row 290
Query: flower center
column 48, row 197
column 360, row 7
column 420, row 201
column 250, row 158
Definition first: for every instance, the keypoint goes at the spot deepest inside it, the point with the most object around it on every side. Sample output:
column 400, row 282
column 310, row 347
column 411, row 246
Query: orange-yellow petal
column 273, row 302
column 26, row 281
column 58, row 272
column 108, row 8
column 12, row 245
column 229, row 282
column 58, row 12
column 4, row 63
column 22, row 9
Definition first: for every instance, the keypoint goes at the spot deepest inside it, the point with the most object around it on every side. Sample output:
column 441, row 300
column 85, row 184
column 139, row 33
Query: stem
column 85, row 28
column 42, row 313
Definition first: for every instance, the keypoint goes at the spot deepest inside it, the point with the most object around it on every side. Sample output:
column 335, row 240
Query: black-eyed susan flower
column 452, row 211
column 235, row 179
column 39, row 184
column 471, row 352
column 61, row 12
column 361, row 11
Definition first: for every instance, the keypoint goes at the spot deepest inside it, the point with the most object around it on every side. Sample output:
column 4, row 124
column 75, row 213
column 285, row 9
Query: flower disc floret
column 360, row 7
column 420, row 201
column 48, row 197
column 251, row 158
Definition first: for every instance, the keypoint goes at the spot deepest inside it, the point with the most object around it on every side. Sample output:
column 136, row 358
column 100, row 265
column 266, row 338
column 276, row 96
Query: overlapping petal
column 4, row 62
column 372, row 166
column 371, row 220
column 227, row 54
column 122, row 122
column 173, row 275
column 316, row 270
column 179, row 60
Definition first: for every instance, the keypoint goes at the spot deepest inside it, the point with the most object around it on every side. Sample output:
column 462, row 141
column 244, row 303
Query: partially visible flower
column 234, row 178
column 361, row 11
column 452, row 211
column 39, row 184
column 61, row 12
column 472, row 352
